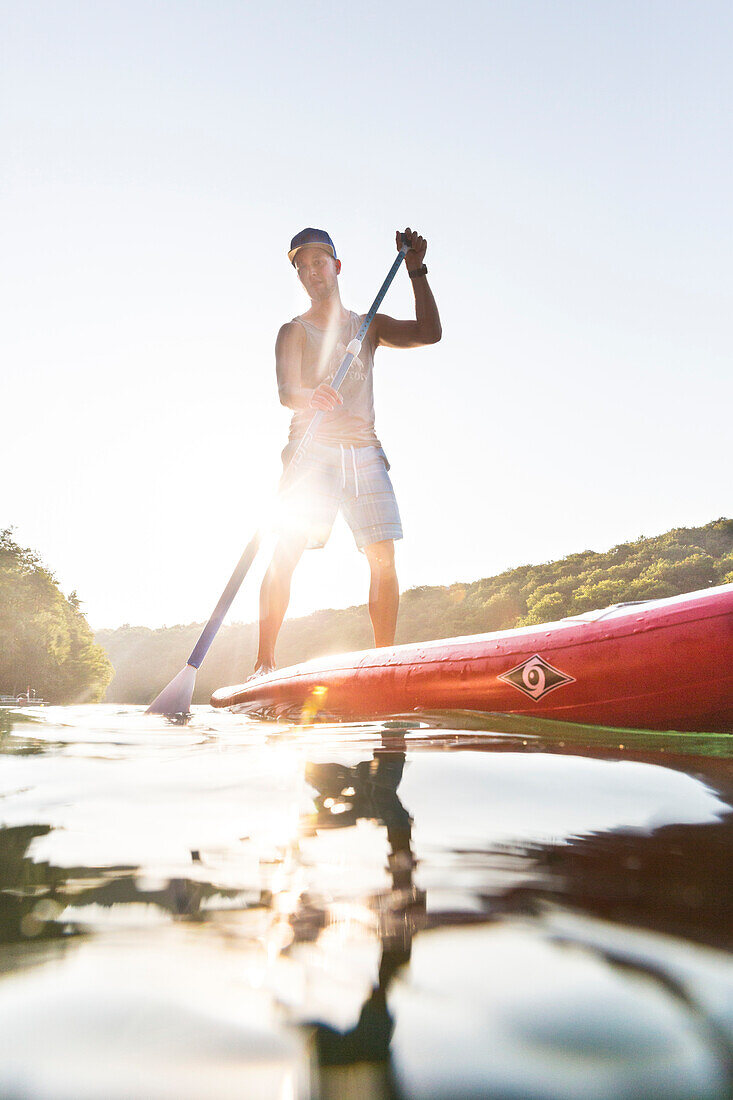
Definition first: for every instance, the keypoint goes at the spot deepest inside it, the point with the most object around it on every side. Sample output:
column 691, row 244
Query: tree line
column 681, row 560
column 46, row 643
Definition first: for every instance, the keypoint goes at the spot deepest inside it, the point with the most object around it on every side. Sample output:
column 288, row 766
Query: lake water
column 457, row 907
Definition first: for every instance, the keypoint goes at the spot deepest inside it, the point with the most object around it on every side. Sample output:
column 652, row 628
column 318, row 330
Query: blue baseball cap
column 317, row 237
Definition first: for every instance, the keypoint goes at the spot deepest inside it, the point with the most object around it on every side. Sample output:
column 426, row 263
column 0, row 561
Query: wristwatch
column 418, row 272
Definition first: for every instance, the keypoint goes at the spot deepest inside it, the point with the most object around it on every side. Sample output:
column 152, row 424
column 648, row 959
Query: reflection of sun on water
column 293, row 869
column 322, row 949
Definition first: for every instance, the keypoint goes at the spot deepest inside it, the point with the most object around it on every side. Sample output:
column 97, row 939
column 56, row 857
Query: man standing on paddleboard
column 344, row 467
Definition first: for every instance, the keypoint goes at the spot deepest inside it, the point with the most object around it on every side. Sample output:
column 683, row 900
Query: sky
column 571, row 166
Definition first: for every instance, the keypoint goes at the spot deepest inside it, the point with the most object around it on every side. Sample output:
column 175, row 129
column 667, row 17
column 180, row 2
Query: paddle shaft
column 226, row 599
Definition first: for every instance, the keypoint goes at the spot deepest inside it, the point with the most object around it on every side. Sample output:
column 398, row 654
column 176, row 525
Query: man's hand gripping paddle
column 175, row 699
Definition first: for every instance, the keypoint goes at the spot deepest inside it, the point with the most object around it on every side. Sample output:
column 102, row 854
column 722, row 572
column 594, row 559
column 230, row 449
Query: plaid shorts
column 354, row 479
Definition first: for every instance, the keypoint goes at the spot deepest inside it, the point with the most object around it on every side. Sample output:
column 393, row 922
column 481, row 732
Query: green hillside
column 45, row 641
column 682, row 560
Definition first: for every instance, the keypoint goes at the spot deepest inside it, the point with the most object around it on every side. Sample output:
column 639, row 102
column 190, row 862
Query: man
column 345, row 466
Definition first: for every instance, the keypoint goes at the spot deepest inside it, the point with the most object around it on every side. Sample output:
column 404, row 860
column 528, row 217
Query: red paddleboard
column 661, row 664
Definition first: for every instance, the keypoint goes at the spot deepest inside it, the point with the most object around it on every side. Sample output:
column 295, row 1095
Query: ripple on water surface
column 450, row 907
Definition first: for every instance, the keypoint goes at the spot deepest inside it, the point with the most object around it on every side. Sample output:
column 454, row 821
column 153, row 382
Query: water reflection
column 40, row 901
column 676, row 880
column 343, row 796
column 27, row 901
column 673, row 879
column 437, row 909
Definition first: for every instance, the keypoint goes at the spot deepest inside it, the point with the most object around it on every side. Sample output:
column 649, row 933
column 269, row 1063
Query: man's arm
column 288, row 357
column 426, row 328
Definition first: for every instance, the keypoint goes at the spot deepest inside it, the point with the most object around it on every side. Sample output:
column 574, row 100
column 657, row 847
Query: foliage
column 45, row 641
column 682, row 560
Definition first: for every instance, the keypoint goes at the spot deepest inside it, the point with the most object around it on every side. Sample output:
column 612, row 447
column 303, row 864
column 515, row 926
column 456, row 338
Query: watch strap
column 418, row 272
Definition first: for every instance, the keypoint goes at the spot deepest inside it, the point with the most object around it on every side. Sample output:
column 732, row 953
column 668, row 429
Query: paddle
column 175, row 698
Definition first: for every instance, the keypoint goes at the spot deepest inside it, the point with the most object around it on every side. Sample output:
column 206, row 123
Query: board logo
column 535, row 677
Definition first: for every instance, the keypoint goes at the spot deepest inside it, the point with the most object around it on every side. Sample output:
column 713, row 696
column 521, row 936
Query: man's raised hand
column 418, row 247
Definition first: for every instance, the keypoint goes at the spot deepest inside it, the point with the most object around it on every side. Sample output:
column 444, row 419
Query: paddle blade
column 176, row 697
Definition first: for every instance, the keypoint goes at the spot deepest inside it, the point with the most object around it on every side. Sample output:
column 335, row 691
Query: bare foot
column 261, row 670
